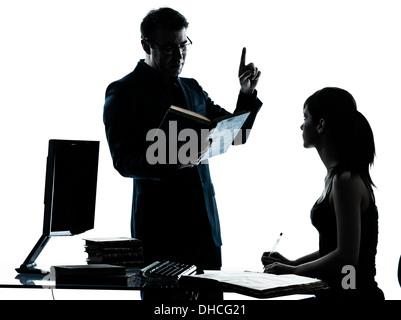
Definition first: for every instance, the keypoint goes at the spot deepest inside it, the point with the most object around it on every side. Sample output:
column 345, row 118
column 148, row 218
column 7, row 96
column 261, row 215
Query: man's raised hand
column 248, row 75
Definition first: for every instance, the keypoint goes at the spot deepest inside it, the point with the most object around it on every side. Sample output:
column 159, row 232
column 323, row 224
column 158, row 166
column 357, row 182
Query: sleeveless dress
column 324, row 220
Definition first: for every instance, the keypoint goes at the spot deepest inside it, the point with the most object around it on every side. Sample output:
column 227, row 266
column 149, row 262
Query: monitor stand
column 29, row 264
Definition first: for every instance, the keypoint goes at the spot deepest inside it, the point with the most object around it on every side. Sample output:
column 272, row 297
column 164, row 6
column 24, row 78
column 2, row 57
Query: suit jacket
column 172, row 209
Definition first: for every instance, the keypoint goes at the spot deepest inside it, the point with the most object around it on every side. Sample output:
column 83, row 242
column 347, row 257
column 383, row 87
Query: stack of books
column 126, row 252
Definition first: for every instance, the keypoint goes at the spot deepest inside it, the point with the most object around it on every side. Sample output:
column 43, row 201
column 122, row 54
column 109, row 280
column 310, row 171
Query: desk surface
column 10, row 278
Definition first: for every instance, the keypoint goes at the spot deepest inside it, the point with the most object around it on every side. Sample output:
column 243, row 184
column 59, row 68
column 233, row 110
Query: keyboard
column 167, row 271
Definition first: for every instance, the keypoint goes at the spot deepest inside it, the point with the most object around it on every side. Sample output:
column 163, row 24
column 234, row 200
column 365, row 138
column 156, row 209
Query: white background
column 58, row 57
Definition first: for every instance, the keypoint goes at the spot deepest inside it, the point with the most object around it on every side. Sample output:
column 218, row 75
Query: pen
column 275, row 245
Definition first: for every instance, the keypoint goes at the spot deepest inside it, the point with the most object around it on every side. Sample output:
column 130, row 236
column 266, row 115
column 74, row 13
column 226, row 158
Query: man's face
column 165, row 54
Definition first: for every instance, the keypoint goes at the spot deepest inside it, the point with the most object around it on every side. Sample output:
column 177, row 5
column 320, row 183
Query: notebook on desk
column 256, row 284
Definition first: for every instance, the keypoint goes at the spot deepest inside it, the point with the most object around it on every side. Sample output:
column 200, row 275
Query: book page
column 224, row 133
column 257, row 280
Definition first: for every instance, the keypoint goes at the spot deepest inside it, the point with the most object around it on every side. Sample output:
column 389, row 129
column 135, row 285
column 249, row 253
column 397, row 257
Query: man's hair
column 163, row 18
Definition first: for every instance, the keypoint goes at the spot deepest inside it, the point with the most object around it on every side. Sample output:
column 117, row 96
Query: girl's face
column 309, row 129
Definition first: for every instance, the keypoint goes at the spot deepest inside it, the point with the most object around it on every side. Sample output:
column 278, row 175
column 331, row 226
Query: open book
column 184, row 134
column 256, row 284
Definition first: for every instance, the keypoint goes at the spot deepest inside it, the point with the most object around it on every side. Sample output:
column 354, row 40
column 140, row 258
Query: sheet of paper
column 257, row 280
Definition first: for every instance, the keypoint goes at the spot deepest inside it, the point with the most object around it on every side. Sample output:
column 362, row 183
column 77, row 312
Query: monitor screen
column 70, row 189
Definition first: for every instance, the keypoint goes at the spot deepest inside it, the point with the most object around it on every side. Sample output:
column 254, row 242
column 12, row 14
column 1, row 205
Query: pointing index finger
column 242, row 63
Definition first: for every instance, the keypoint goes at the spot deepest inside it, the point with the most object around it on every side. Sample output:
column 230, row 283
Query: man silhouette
column 174, row 210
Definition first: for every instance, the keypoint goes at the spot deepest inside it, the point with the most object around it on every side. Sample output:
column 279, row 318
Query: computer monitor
column 70, row 193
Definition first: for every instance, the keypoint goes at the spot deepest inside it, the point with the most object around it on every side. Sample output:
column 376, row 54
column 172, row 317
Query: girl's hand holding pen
column 279, row 268
column 272, row 257
column 275, row 263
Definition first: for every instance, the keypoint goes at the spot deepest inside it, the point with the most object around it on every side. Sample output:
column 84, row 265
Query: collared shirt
column 173, row 88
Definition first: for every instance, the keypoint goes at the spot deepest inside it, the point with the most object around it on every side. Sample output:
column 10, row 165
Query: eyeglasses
column 169, row 50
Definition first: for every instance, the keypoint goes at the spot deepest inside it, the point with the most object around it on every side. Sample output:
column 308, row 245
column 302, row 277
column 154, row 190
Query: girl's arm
column 347, row 195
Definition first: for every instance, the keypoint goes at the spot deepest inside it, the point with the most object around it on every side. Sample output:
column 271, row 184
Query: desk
column 14, row 286
column 9, row 278
column 34, row 287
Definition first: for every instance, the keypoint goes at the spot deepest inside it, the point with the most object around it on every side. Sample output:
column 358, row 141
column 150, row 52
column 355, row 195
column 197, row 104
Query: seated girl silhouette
column 345, row 215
